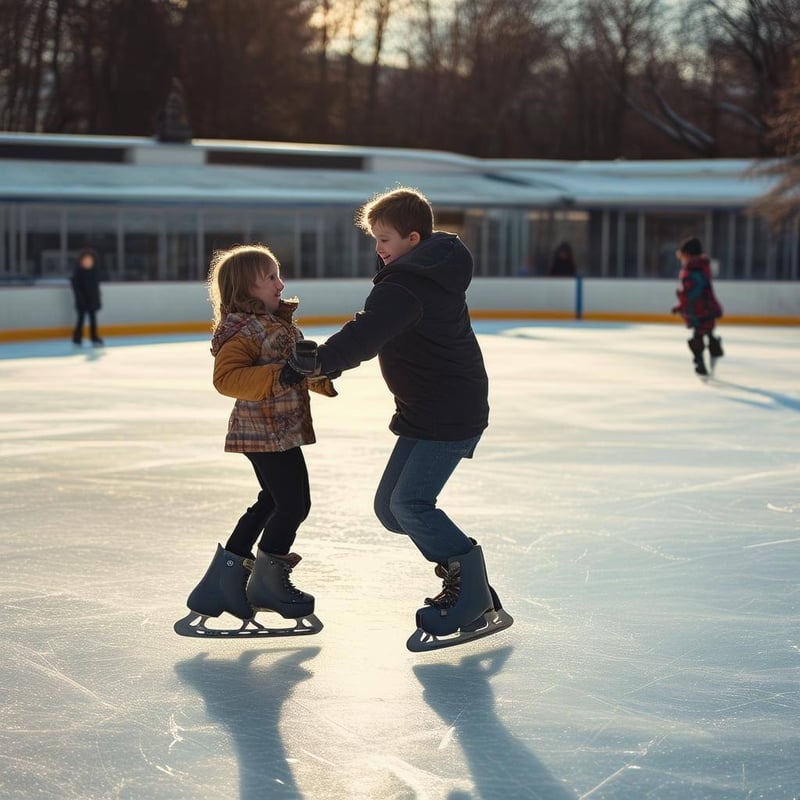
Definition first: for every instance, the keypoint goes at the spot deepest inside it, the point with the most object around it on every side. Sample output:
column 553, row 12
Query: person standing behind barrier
column 697, row 303
column 563, row 264
column 86, row 289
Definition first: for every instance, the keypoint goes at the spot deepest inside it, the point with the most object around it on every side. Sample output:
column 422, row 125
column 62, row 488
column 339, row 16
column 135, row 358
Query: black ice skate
column 222, row 590
column 270, row 588
column 715, row 351
column 467, row 607
column 697, row 347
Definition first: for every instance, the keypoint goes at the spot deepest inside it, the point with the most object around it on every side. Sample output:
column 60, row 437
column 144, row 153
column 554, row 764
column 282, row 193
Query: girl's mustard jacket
column 250, row 350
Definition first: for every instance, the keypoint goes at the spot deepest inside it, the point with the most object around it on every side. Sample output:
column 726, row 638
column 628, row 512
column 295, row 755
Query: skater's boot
column 464, row 599
column 696, row 346
column 223, row 587
column 441, row 572
column 714, row 350
column 271, row 588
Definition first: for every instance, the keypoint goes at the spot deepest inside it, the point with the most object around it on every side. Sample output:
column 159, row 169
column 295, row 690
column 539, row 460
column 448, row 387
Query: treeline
column 494, row 78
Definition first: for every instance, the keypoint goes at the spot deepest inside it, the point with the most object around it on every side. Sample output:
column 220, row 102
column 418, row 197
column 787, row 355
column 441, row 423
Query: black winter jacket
column 86, row 288
column 416, row 321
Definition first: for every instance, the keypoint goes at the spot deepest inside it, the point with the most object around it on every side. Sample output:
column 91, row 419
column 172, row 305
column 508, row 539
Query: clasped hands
column 302, row 363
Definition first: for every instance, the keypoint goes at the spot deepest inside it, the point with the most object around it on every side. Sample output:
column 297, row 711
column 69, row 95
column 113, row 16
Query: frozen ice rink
column 641, row 525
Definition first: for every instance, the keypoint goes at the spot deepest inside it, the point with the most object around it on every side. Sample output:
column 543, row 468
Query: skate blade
column 194, row 624
column 491, row 622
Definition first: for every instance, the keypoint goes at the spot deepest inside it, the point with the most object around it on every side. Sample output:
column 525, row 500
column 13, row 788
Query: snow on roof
column 214, row 185
column 726, row 183
column 182, row 176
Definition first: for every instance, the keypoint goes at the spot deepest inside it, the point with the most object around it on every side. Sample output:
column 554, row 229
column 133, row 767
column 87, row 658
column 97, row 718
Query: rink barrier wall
column 46, row 312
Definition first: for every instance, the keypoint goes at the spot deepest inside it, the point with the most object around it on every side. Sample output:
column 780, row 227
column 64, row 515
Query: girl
column 253, row 342
column 697, row 303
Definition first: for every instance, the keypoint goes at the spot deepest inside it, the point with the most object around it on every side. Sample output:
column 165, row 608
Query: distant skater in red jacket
column 697, row 303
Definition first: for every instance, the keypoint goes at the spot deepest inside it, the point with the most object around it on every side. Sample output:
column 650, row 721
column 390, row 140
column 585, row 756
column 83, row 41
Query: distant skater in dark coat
column 86, row 289
column 697, row 303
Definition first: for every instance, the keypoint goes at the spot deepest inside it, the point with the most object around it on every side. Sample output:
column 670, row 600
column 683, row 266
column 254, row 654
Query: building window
column 277, row 230
column 223, row 229
column 546, row 230
column 98, row 229
column 44, row 248
column 723, row 245
column 141, row 245
column 182, row 259
column 338, row 244
column 664, row 232
column 365, row 255
column 311, row 257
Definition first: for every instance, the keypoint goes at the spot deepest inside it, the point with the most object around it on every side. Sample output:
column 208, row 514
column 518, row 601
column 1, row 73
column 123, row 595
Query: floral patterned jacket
column 250, row 350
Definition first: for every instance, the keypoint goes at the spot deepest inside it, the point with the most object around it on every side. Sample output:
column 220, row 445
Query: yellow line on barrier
column 166, row 328
column 520, row 314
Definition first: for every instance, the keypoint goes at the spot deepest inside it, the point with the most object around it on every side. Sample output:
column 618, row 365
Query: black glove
column 304, row 357
column 301, row 364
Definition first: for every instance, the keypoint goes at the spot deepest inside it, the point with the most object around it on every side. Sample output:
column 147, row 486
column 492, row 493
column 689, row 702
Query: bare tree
column 525, row 78
column 332, row 20
column 350, row 93
column 24, row 28
column 381, row 13
column 625, row 34
column 605, row 46
column 245, row 66
column 475, row 74
column 716, row 93
column 79, row 66
column 781, row 205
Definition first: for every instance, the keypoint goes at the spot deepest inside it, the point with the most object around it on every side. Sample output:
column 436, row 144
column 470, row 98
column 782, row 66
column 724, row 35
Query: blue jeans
column 405, row 501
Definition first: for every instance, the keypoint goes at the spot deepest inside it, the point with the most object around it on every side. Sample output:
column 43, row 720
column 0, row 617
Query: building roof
column 251, row 186
column 723, row 183
column 132, row 170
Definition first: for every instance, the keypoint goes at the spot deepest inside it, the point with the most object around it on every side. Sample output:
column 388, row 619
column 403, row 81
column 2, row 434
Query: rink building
column 155, row 211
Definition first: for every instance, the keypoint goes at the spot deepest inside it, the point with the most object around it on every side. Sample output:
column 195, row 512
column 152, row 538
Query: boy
column 416, row 321
column 697, row 303
column 86, row 292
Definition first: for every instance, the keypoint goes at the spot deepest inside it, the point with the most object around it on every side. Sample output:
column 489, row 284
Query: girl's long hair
column 231, row 276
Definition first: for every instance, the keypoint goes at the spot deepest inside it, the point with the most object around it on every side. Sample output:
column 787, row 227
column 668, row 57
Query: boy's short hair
column 691, row 247
column 405, row 209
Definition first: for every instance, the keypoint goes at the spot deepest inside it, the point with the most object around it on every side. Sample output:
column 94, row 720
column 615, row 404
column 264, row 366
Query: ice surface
column 641, row 525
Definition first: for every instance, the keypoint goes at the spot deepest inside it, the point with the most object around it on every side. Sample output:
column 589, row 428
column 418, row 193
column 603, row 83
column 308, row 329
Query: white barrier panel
column 32, row 310
column 738, row 298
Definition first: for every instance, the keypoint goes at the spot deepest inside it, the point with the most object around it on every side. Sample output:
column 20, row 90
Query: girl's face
column 268, row 288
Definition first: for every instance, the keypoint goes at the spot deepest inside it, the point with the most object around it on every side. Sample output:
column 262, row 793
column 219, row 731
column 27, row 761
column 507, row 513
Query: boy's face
column 87, row 261
column 389, row 244
column 268, row 288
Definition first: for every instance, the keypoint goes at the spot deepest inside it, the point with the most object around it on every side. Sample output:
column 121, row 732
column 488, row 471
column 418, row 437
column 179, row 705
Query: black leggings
column 283, row 503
